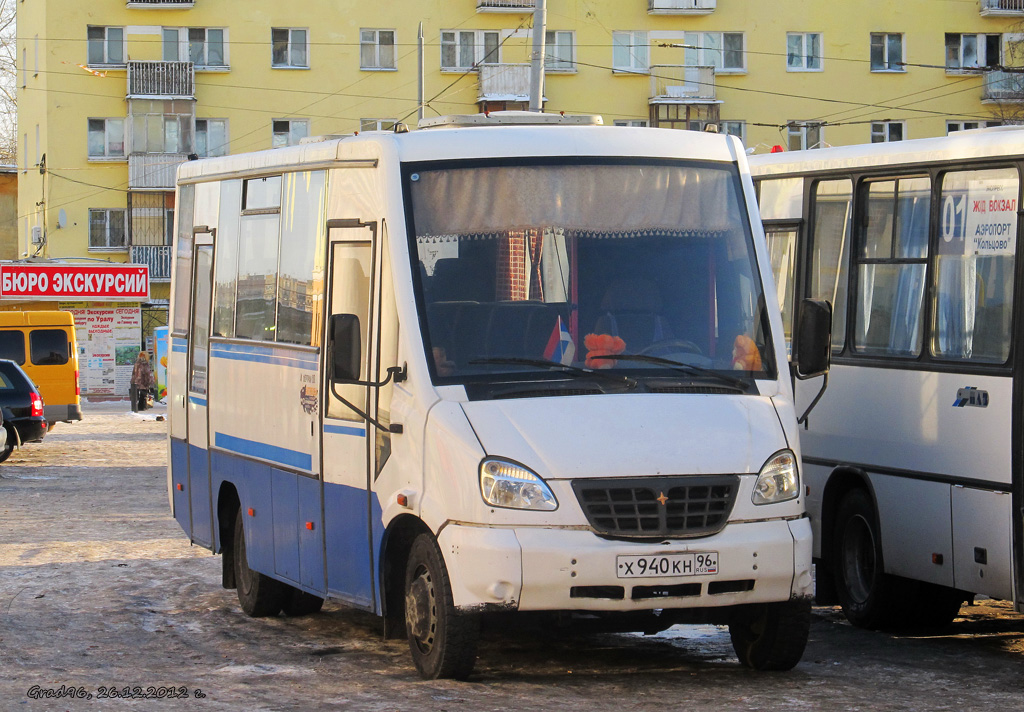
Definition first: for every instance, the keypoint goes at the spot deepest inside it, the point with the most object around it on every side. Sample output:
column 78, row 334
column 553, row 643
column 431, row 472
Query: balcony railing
column 1003, row 87
column 519, row 6
column 1002, row 7
column 680, row 7
column 677, row 84
column 504, row 82
column 158, row 257
column 153, row 170
column 161, row 3
column 162, row 79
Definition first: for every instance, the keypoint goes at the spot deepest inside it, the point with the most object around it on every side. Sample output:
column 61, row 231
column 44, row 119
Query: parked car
column 22, row 408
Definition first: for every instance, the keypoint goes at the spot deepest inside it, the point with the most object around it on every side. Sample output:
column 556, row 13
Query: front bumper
column 538, row 569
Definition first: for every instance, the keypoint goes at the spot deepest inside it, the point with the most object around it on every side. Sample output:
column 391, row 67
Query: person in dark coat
column 142, row 380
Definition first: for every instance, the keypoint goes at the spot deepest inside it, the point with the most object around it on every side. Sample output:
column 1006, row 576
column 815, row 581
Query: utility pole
column 421, row 95
column 540, row 26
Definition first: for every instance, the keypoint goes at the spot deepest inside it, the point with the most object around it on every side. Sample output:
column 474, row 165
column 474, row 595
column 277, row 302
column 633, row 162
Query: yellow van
column 43, row 344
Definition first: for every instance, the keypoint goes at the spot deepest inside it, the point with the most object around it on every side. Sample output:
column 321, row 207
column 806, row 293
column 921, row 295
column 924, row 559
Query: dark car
column 22, row 408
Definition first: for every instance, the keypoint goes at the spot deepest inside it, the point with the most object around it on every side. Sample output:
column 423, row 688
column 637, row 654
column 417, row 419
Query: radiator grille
column 658, row 506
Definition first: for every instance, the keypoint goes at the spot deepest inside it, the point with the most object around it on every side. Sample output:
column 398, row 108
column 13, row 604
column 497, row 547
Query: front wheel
column 771, row 636
column 442, row 639
column 7, row 449
column 259, row 595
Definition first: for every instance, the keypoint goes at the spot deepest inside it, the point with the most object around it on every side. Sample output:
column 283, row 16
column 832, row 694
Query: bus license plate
column 667, row 565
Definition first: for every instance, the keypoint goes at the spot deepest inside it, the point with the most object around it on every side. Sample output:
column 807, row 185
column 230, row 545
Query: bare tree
column 8, row 83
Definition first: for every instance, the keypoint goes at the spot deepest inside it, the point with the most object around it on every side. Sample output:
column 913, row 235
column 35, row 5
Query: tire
column 442, row 639
column 771, row 636
column 7, row 449
column 259, row 595
column 870, row 598
column 300, row 603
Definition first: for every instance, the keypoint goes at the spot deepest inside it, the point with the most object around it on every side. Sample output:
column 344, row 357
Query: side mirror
column 346, row 347
column 814, row 339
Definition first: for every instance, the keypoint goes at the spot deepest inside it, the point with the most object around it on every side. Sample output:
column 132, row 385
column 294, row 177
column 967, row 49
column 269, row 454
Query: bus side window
column 832, row 220
column 974, row 276
column 350, row 294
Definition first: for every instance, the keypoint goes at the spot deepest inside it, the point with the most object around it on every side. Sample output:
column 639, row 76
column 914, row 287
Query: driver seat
column 632, row 311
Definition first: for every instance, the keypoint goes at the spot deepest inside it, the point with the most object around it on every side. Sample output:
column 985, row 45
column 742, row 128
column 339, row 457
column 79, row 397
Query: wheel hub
column 419, row 610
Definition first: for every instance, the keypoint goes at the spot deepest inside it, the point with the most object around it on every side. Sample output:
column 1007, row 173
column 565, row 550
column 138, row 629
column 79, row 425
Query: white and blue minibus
column 502, row 363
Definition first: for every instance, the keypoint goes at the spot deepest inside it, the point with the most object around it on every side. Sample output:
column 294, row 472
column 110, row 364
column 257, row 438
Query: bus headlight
column 778, row 480
column 506, row 484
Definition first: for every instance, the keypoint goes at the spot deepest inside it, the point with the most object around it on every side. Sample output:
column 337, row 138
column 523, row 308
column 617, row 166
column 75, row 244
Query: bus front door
column 346, row 432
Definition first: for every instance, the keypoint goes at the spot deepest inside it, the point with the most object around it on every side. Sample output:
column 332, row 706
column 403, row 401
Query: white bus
column 913, row 458
column 462, row 370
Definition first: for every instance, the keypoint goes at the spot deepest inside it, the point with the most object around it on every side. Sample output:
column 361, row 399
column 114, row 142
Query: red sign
column 74, row 282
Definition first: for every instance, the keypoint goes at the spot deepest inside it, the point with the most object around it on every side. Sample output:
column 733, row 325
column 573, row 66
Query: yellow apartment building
column 113, row 95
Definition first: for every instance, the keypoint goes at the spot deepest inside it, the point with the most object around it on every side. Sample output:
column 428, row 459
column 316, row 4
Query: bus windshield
column 575, row 262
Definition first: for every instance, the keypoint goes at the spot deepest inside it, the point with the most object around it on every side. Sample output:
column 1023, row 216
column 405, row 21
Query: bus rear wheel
column 771, row 636
column 258, row 595
column 867, row 594
column 442, row 639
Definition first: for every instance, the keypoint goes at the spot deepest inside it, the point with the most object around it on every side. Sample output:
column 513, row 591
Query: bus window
column 782, row 250
column 891, row 271
column 12, row 346
column 975, row 265
column 48, row 347
column 226, row 262
column 350, row 294
column 832, row 217
column 183, row 258
column 256, row 299
column 303, row 232
column 781, row 199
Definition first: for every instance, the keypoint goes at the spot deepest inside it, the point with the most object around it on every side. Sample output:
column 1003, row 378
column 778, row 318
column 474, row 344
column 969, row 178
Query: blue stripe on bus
column 264, row 451
column 266, row 354
column 197, row 401
column 345, row 430
column 179, row 346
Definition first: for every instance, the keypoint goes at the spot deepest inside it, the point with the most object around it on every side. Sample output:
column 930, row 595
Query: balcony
column 158, row 257
column 161, row 4
column 680, row 7
column 996, row 8
column 504, row 82
column 153, row 171
column 678, row 84
column 164, row 80
column 1003, row 87
column 519, row 6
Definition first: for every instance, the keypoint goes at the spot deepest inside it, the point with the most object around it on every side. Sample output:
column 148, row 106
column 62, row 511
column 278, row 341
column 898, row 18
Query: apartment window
column 106, row 45
column 290, row 47
column 725, row 51
column 106, row 229
column 206, row 47
column 735, row 128
column 560, row 51
column 884, row 131
column 630, row 52
column 965, row 52
column 106, row 138
column 161, row 126
column 212, row 137
column 465, row 49
column 288, row 132
column 377, row 124
column 803, row 51
column 952, row 126
column 376, row 49
column 887, row 52
column 635, row 123
column 804, row 134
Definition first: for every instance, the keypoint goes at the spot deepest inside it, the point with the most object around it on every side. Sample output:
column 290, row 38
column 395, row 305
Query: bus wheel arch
column 395, row 547
column 228, row 507
column 840, row 483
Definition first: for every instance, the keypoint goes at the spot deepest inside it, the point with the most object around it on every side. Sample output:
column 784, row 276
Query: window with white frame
column 631, row 52
column 965, row 52
column 887, row 52
column 106, row 139
column 952, row 126
column 560, row 51
column 288, row 132
column 106, row 229
column 803, row 51
column 735, row 128
column 465, row 49
column 805, row 134
column 725, row 51
column 377, row 124
column 206, row 47
column 377, row 49
column 161, row 126
column 885, row 131
column 211, row 137
column 106, row 45
column 635, row 123
column 290, row 48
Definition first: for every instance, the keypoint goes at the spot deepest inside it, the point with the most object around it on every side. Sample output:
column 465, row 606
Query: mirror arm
column 802, row 420
column 399, row 373
column 395, row 428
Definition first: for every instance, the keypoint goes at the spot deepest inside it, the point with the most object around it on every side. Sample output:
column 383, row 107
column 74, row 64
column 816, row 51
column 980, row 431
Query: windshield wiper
column 555, row 365
column 737, row 383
